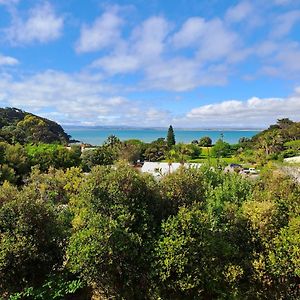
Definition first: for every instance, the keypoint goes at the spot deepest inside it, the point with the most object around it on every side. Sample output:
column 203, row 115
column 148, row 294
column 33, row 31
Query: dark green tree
column 205, row 142
column 171, row 137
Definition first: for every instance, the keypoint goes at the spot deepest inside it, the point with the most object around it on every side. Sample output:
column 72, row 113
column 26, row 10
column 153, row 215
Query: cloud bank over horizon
column 152, row 65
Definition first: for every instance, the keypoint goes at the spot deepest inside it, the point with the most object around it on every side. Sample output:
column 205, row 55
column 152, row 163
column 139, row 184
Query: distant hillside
column 18, row 126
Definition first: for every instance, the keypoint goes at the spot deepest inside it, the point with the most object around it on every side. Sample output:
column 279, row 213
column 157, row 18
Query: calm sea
column 96, row 136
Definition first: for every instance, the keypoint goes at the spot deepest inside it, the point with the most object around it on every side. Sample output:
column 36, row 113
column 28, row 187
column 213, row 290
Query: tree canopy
column 171, row 137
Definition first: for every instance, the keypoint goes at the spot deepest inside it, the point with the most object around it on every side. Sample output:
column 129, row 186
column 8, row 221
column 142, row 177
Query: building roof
column 159, row 169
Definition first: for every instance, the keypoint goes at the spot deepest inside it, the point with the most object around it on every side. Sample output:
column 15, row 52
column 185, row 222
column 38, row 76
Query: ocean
column 96, row 136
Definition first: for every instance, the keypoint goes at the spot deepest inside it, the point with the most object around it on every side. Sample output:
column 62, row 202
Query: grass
column 205, row 158
column 214, row 160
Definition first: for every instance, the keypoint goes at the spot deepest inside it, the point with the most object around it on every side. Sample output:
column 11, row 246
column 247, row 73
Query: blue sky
column 195, row 63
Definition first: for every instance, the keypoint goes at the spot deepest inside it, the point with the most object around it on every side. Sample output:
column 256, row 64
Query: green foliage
column 130, row 152
column 156, row 150
column 194, row 234
column 53, row 155
column 278, row 141
column 183, row 188
column 171, row 137
column 15, row 163
column 113, row 229
column 221, row 149
column 32, row 242
column 103, row 155
column 21, row 127
column 194, row 261
column 54, row 287
column 294, row 145
column 205, row 141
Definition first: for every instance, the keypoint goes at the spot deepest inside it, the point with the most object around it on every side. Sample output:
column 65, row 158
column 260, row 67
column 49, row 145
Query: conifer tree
column 171, row 137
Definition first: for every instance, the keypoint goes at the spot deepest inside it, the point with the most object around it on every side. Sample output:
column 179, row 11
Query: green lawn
column 213, row 160
column 205, row 158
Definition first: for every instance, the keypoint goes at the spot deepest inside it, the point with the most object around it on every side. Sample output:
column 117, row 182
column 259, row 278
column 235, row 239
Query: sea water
column 96, row 136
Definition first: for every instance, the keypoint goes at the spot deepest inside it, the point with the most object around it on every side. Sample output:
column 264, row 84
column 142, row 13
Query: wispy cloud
column 8, row 60
column 147, row 50
column 104, row 32
column 75, row 99
column 242, row 11
column 9, row 2
column 284, row 23
column 41, row 25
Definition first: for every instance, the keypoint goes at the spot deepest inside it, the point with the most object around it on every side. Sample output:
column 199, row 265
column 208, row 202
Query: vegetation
column 196, row 234
column 77, row 225
column 205, row 142
column 171, row 137
column 17, row 126
column 279, row 141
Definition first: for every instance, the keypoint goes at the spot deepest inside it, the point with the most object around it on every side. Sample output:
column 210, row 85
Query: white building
column 159, row 169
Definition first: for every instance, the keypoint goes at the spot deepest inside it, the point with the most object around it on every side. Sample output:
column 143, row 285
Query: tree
column 156, row 150
column 130, row 152
column 271, row 142
column 244, row 140
column 53, row 155
column 284, row 123
column 171, row 137
column 194, row 261
column 103, row 155
column 112, row 141
column 194, row 151
column 113, row 233
column 183, row 151
column 182, row 188
column 205, row 142
column 284, row 260
column 221, row 149
column 32, row 242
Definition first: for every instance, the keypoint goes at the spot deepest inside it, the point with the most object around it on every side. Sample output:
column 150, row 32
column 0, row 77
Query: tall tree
column 171, row 137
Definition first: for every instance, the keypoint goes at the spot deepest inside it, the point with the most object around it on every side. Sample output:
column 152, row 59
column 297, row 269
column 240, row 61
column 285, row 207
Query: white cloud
column 212, row 39
column 253, row 113
column 147, row 50
column 218, row 42
column 190, row 32
column 284, row 23
column 118, row 63
column 42, row 25
column 289, row 59
column 75, row 99
column 8, row 60
column 149, row 38
column 181, row 74
column 104, row 32
column 143, row 48
column 282, row 60
column 240, row 12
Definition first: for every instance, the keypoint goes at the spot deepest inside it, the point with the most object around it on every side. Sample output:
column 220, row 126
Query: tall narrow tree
column 171, row 137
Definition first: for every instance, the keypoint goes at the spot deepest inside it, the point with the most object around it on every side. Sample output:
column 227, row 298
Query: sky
column 189, row 63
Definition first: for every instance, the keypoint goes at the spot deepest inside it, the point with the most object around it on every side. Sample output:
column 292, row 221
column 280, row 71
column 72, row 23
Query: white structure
column 159, row 169
column 293, row 160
